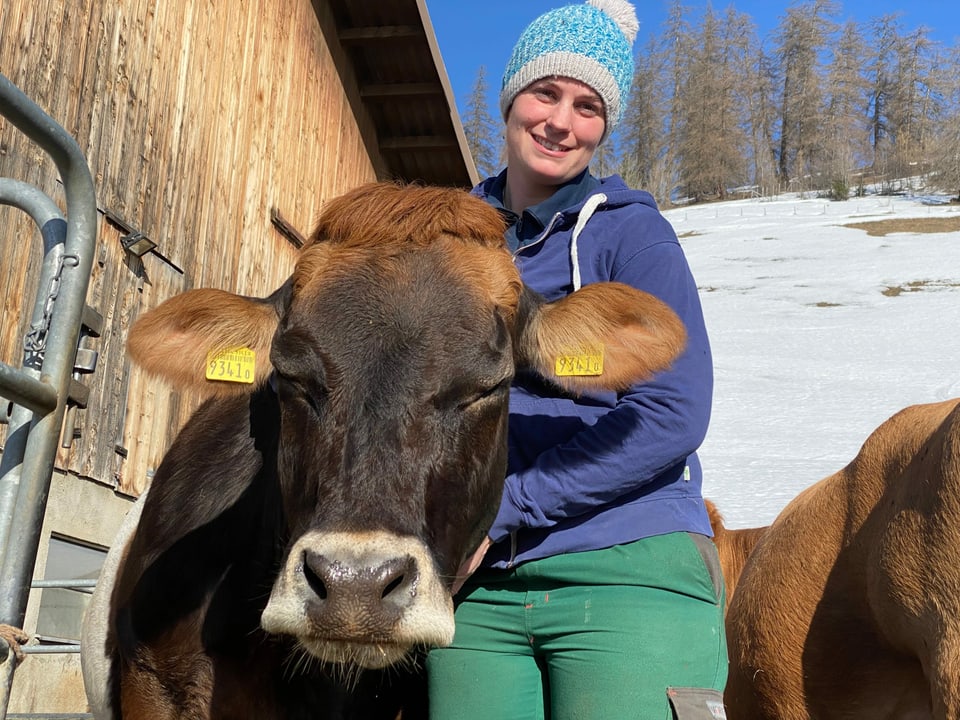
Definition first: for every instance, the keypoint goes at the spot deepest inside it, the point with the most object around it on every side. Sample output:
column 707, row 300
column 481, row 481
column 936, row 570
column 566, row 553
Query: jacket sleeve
column 652, row 428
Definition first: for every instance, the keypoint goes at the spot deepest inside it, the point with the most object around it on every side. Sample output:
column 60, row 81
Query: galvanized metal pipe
column 19, row 552
column 53, row 233
column 50, row 716
column 38, row 397
column 7, row 667
column 77, row 584
column 50, row 649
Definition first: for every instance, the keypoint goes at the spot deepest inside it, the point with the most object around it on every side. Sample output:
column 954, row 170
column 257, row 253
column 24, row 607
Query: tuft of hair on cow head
column 605, row 336
column 407, row 214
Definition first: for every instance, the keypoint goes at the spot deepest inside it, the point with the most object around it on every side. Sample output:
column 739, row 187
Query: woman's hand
column 470, row 565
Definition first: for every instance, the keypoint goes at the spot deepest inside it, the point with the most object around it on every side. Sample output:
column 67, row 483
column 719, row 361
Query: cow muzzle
column 365, row 599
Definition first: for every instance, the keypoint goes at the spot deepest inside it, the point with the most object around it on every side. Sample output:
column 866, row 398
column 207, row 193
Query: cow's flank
column 850, row 605
column 314, row 519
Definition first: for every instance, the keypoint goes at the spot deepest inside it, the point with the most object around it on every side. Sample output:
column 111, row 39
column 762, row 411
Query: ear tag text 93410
column 232, row 365
column 581, row 363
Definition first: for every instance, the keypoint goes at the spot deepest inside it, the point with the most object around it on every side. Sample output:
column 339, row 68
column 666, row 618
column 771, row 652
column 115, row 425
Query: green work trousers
column 598, row 635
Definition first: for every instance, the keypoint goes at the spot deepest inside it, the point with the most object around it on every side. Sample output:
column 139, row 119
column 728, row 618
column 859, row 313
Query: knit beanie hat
column 591, row 43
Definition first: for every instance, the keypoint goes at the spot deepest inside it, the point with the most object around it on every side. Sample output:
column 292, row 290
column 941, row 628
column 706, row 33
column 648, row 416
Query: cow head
column 391, row 350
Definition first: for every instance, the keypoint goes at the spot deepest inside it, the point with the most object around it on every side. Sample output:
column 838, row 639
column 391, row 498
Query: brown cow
column 300, row 539
column 850, row 606
column 733, row 546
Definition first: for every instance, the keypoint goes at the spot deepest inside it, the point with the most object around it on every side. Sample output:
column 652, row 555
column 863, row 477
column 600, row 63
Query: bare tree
column 846, row 142
column 741, row 48
column 714, row 108
column 800, row 39
column 881, row 73
column 699, row 112
column 915, row 105
column 480, row 129
column 945, row 141
column 604, row 159
column 759, row 82
column 650, row 132
column 712, row 138
column 643, row 136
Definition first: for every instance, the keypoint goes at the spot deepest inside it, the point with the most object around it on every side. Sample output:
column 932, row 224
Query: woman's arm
column 652, row 428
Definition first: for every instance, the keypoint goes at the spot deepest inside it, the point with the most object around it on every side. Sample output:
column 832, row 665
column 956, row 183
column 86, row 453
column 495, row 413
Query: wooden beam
column 419, row 142
column 363, row 35
column 400, row 90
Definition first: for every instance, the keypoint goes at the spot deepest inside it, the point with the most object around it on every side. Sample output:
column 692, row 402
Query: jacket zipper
column 543, row 235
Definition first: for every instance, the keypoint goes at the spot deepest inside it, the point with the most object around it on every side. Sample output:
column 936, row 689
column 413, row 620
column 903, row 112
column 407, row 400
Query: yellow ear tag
column 232, row 365
column 580, row 364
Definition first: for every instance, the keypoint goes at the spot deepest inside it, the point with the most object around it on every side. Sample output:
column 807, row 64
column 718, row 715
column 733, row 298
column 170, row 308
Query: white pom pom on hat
column 623, row 15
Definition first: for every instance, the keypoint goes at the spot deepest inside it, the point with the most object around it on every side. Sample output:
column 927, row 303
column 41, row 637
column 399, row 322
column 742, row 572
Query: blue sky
column 472, row 34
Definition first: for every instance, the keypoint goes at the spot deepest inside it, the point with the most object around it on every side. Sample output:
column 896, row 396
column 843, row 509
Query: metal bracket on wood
column 85, row 363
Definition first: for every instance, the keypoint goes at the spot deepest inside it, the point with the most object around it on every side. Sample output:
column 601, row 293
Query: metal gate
column 34, row 396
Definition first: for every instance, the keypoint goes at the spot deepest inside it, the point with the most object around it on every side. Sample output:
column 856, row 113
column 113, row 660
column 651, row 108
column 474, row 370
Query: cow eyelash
column 491, row 391
column 300, row 389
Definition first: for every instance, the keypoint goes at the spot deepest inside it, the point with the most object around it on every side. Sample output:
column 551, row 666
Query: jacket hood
column 612, row 193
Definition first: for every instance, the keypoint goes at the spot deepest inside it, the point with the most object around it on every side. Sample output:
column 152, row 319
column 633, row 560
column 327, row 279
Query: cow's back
column 829, row 612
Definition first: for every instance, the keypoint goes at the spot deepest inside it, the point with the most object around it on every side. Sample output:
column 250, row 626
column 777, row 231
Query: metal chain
column 35, row 340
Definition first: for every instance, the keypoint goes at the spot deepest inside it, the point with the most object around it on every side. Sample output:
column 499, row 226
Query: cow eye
column 299, row 390
column 492, row 392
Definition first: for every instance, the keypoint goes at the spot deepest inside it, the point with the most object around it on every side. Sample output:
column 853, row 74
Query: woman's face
column 553, row 129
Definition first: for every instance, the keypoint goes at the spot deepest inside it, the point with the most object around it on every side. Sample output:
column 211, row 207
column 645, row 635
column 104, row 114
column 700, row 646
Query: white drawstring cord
column 589, row 207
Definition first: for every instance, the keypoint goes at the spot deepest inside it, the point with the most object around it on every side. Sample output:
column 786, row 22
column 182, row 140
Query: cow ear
column 605, row 336
column 175, row 340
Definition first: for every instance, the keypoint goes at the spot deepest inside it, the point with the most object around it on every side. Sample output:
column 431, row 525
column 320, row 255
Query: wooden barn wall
column 197, row 119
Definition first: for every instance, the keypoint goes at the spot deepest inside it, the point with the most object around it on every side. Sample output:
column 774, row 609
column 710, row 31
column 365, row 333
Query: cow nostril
column 314, row 580
column 396, row 575
column 391, row 586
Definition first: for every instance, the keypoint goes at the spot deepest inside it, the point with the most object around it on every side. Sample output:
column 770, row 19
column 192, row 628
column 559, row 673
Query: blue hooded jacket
column 597, row 470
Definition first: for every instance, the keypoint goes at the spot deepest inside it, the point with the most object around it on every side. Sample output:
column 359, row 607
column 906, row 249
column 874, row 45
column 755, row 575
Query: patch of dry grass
column 880, row 228
column 917, row 286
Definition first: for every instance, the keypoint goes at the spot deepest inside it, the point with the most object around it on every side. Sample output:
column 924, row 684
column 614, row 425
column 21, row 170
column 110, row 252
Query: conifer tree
column 846, row 149
column 945, row 166
column 801, row 38
column 712, row 150
column 480, row 129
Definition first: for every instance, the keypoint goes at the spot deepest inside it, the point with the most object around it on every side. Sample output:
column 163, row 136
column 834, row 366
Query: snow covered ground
column 819, row 331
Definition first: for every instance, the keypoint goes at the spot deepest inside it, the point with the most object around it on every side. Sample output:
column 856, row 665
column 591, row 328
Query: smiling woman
column 553, row 129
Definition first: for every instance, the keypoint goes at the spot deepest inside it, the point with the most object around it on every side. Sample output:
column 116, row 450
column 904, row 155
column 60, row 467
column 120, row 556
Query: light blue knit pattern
column 594, row 51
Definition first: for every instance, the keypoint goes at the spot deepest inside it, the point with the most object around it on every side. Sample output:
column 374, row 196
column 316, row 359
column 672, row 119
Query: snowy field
column 819, row 331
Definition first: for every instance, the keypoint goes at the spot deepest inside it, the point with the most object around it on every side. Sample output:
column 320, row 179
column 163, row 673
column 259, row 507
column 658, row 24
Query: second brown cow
column 849, row 607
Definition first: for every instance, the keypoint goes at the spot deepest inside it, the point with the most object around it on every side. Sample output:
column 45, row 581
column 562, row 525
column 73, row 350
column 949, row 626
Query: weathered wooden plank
column 197, row 119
